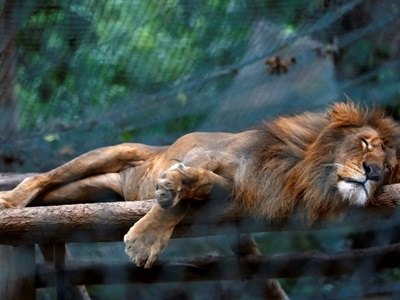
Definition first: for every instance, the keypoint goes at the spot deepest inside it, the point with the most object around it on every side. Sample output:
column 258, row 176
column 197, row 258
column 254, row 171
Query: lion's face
column 363, row 163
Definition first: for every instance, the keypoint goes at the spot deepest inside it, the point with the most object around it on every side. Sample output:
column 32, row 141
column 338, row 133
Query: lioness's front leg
column 150, row 235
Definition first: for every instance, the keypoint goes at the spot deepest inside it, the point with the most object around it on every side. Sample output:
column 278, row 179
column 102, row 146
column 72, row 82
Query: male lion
column 321, row 162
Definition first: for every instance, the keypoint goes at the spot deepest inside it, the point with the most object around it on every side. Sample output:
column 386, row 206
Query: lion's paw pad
column 166, row 193
column 140, row 252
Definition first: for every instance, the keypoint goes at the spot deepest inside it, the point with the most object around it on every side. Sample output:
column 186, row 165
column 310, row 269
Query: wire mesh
column 75, row 75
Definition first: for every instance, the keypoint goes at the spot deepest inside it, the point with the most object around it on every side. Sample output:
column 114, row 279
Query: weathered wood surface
column 110, row 221
column 70, row 223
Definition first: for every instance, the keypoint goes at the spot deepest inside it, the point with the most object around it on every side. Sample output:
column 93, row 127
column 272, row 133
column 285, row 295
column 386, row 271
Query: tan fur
column 321, row 163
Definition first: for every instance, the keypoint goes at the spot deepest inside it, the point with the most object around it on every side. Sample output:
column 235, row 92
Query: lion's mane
column 291, row 164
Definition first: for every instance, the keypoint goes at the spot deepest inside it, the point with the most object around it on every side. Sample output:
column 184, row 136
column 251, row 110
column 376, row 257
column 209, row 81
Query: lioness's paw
column 166, row 193
column 169, row 185
column 175, row 184
column 144, row 248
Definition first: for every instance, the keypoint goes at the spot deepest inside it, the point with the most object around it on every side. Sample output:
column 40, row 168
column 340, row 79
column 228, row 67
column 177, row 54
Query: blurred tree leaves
column 75, row 54
column 78, row 54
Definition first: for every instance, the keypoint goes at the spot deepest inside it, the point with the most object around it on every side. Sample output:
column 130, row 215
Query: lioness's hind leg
column 90, row 189
column 181, row 182
column 99, row 161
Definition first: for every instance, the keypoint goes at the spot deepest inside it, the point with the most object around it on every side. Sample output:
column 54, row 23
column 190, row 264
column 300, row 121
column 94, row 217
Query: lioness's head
column 365, row 151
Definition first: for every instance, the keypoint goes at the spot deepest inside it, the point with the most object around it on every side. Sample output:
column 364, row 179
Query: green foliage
column 185, row 123
column 365, row 56
column 291, row 14
column 76, row 56
column 81, row 54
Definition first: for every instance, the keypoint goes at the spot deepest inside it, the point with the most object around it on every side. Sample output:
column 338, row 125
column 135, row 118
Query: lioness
column 321, row 162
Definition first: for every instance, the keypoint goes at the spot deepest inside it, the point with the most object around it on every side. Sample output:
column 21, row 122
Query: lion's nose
column 373, row 172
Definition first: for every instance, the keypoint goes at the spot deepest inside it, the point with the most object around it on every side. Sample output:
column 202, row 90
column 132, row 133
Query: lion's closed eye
column 365, row 145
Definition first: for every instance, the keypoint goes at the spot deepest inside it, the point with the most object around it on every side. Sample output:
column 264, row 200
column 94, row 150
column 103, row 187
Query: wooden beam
column 70, row 223
column 97, row 222
column 292, row 265
column 78, row 292
column 17, row 277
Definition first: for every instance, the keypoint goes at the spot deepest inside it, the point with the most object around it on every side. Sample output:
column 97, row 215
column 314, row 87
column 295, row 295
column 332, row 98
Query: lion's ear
column 346, row 113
